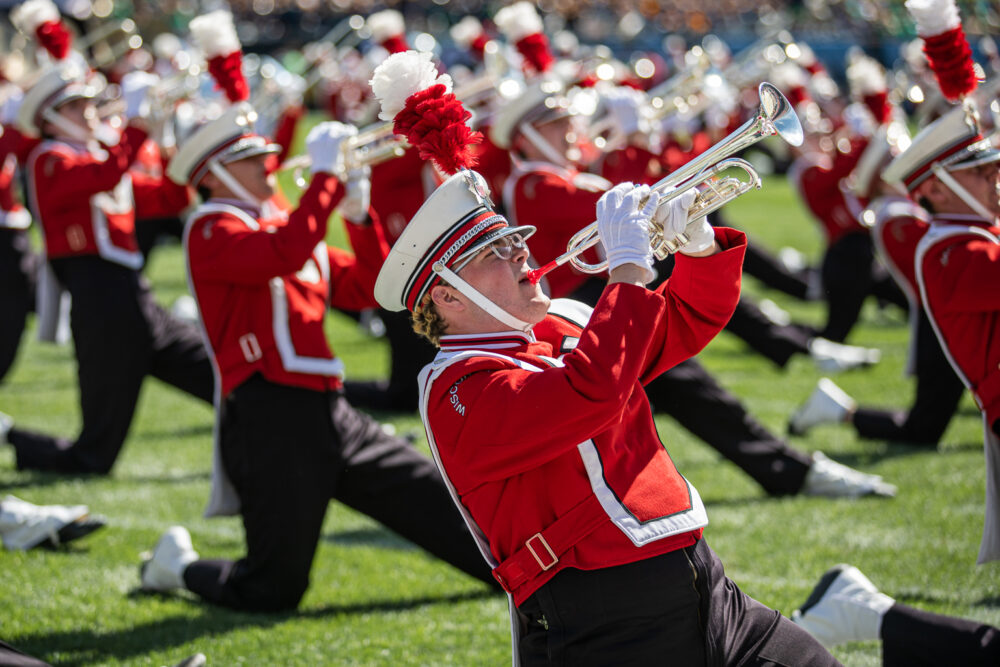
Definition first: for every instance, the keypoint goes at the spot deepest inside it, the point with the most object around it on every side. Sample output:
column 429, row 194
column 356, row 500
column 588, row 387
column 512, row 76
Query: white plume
column 29, row 15
column 934, row 17
column 466, row 31
column 519, row 20
column 385, row 24
column 401, row 75
column 214, row 34
column 866, row 76
column 788, row 76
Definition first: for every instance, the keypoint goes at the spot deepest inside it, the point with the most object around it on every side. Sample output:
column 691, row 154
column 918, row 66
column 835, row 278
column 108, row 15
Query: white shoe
column 6, row 424
column 833, row 357
column 844, row 607
column 793, row 260
column 835, row 480
column 172, row 554
column 828, row 404
column 26, row 526
column 775, row 313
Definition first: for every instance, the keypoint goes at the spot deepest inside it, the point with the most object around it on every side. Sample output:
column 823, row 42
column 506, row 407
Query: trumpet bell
column 777, row 110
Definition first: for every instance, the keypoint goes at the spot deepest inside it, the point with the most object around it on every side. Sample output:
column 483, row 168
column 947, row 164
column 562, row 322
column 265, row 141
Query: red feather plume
column 950, row 58
column 434, row 121
column 227, row 71
column 535, row 49
column 54, row 37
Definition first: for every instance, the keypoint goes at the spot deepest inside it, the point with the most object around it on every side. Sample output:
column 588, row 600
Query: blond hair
column 427, row 321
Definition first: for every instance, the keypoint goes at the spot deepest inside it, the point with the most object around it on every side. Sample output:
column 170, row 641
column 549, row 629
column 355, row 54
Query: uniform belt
column 542, row 550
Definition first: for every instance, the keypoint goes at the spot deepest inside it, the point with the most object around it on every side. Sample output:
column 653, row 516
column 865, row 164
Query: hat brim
column 247, row 151
column 524, row 230
column 974, row 157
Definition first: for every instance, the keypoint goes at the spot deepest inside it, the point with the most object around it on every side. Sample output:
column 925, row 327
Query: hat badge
column 477, row 186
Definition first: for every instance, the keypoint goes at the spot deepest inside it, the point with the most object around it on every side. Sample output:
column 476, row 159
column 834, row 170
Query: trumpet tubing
column 775, row 116
column 370, row 146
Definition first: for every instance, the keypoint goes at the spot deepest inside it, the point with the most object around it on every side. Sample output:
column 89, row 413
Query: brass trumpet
column 774, row 116
column 372, row 145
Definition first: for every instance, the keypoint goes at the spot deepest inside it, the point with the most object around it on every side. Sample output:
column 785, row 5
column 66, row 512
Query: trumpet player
column 83, row 193
column 288, row 441
column 535, row 412
column 558, row 201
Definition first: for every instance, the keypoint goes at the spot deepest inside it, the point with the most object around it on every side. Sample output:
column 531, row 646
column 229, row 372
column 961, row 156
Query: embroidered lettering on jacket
column 456, row 403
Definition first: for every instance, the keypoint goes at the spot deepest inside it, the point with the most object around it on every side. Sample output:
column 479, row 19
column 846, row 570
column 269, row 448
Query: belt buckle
column 552, row 555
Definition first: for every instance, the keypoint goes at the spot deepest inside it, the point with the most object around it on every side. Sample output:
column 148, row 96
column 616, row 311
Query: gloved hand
column 136, row 87
column 673, row 216
column 354, row 205
column 627, row 108
column 324, row 143
column 624, row 227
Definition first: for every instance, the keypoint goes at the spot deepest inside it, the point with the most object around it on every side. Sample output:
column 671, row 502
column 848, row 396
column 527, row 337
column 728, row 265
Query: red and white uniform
column 13, row 149
column 87, row 200
column 958, row 272
column 263, row 287
column 549, row 434
column 820, row 182
column 399, row 188
column 899, row 226
column 559, row 202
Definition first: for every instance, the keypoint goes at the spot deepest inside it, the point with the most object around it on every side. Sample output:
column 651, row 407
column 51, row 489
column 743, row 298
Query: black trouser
column 688, row 393
column 678, row 608
column 850, row 275
column 288, row 451
column 149, row 231
column 120, row 335
column 18, row 264
column 938, row 393
column 11, row 657
column 410, row 352
column 776, row 342
column 911, row 638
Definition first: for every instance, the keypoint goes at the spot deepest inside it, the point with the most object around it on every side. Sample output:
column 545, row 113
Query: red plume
column 950, row 58
column 535, row 49
column 434, row 121
column 55, row 38
column 227, row 71
column 878, row 104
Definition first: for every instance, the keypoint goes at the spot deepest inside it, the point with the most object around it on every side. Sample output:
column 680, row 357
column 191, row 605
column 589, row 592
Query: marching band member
column 86, row 199
column 287, row 440
column 557, row 200
column 850, row 272
column 528, row 408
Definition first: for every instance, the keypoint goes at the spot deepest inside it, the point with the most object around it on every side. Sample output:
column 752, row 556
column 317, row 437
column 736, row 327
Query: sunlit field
column 377, row 600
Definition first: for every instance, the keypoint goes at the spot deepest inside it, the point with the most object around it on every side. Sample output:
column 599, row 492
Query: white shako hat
column 536, row 100
column 63, row 82
column 454, row 223
column 225, row 139
column 952, row 142
column 887, row 141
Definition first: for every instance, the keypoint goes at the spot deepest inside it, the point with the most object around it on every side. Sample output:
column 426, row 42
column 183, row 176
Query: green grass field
column 376, row 600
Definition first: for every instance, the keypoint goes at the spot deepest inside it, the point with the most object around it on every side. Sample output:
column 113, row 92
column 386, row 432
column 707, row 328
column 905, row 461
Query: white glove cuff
column 702, row 237
column 622, row 256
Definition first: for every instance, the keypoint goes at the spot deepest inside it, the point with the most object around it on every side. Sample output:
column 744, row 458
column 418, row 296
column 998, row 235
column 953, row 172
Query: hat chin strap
column 230, row 182
column 962, row 193
column 539, row 142
column 477, row 298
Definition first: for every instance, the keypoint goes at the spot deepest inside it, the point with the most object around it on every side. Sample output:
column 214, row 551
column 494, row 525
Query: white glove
column 627, row 108
column 624, row 227
column 323, row 144
column 136, row 87
column 354, row 205
column 11, row 104
column 673, row 217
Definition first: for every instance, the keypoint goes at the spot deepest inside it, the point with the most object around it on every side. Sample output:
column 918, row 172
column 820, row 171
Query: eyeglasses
column 504, row 247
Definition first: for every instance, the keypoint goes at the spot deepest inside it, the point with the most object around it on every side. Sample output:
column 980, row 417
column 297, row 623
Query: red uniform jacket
column 632, row 164
column 958, row 270
column 263, row 286
column 527, row 428
column 399, row 188
column 819, row 180
column 559, row 202
column 87, row 201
